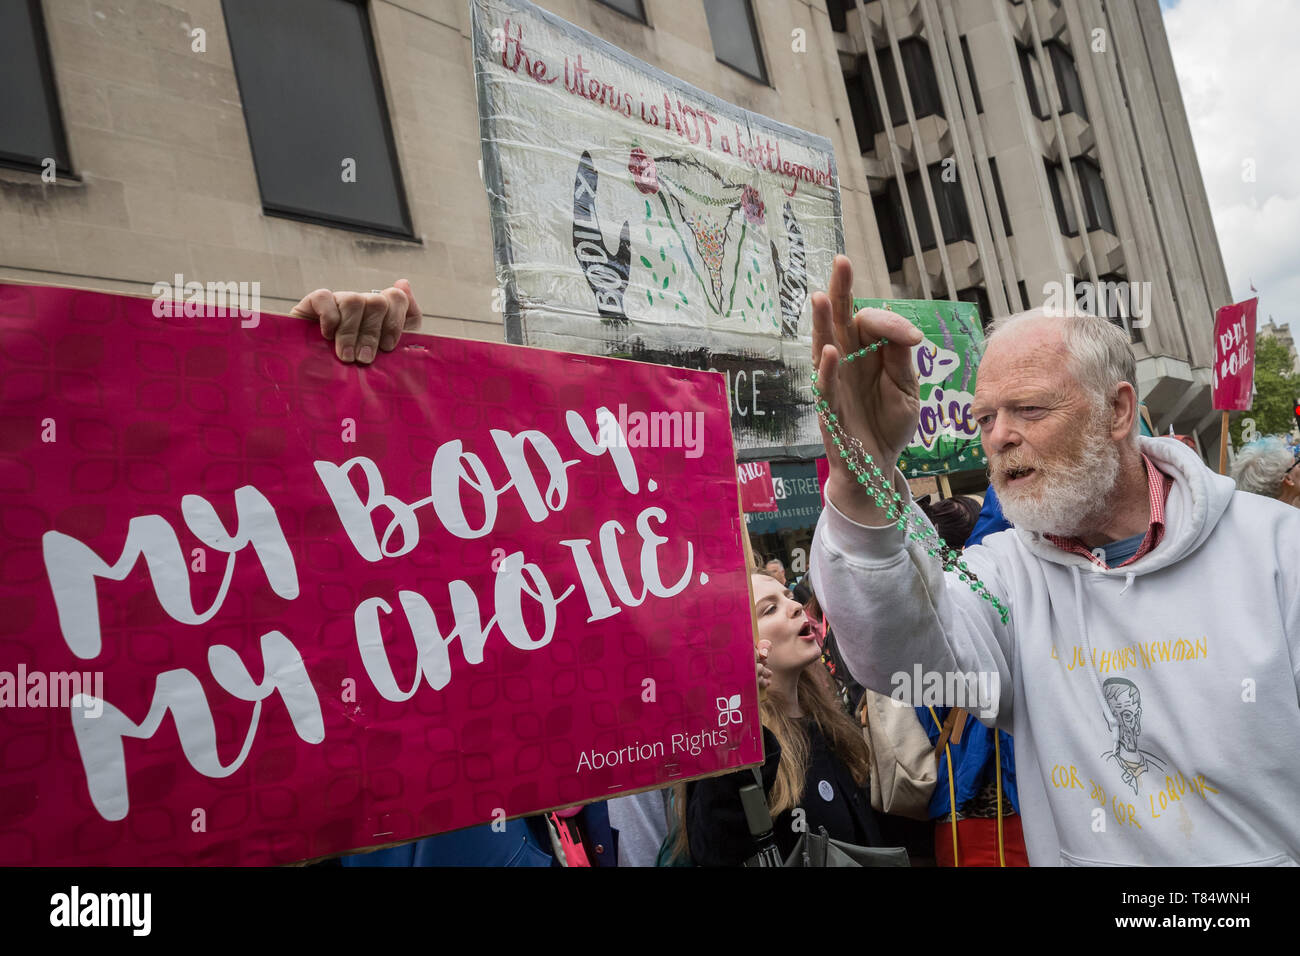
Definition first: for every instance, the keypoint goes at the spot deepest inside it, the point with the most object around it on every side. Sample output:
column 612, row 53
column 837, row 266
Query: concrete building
column 1056, row 154
column 140, row 147
column 159, row 172
column 1283, row 335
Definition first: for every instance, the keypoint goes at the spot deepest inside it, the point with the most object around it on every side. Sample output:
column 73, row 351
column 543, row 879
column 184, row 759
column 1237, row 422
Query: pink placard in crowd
column 1234, row 356
column 261, row 606
column 757, row 492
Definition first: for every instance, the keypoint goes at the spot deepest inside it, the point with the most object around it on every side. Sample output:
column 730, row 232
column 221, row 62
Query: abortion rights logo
column 729, row 710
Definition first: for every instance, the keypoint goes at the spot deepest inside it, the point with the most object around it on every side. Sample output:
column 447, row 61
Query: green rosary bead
column 880, row 489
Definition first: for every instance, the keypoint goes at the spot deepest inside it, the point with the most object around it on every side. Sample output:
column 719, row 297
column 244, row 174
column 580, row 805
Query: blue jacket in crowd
column 972, row 758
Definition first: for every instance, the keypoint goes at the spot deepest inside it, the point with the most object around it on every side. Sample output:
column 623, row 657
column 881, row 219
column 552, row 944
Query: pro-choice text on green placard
column 947, row 438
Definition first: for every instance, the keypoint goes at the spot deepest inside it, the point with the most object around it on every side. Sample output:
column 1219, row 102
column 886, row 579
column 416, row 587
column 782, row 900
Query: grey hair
column 1100, row 356
column 1261, row 466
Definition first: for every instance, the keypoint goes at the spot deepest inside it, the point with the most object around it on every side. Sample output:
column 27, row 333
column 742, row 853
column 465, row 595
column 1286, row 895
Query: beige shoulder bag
column 903, row 770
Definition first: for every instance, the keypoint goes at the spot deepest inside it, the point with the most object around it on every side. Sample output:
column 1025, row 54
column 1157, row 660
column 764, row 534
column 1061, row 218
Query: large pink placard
column 313, row 607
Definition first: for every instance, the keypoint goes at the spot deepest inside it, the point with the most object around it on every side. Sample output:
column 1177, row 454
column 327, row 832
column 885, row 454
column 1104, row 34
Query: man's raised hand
column 876, row 397
column 361, row 324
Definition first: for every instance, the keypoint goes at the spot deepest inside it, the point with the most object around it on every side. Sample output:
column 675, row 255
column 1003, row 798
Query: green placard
column 947, row 439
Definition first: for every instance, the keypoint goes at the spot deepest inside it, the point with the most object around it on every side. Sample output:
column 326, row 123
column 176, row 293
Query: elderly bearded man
column 1129, row 559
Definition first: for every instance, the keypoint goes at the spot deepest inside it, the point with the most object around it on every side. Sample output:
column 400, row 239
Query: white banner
column 636, row 216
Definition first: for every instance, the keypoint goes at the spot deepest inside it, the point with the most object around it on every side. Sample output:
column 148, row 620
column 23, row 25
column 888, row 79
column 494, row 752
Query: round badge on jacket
column 824, row 788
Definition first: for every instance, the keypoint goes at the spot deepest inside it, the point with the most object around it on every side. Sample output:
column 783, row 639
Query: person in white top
column 1154, row 695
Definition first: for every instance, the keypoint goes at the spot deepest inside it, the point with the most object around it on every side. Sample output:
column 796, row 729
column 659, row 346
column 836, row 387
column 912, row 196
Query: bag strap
column 997, row 758
column 945, row 732
column 952, row 789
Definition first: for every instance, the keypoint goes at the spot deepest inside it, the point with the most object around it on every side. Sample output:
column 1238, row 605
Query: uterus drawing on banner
column 714, row 228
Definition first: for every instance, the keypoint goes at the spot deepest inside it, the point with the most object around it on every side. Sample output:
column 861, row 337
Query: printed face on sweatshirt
column 1053, row 459
column 781, row 620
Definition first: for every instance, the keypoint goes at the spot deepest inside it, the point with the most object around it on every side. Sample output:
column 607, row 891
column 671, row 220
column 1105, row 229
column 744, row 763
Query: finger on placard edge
column 372, row 322
column 413, row 314
column 319, row 306
column 351, row 311
column 394, row 318
column 306, row 307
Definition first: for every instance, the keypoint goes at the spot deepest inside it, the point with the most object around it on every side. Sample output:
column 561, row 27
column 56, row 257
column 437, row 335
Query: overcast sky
column 1236, row 66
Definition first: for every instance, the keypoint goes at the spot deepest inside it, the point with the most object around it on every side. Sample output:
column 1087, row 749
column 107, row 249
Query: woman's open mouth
column 806, row 632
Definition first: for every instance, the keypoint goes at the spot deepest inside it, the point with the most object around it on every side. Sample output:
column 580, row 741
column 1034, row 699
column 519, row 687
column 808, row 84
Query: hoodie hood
column 1197, row 500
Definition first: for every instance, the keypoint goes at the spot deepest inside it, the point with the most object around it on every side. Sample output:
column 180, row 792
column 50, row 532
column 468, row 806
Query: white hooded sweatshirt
column 1155, row 707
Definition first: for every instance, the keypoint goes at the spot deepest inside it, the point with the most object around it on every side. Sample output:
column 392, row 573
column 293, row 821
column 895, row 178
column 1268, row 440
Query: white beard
column 1067, row 499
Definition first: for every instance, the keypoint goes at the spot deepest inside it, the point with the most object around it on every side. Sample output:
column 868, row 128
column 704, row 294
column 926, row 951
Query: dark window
column 632, row 8
column 839, row 11
column 862, row 97
column 953, row 217
column 1024, row 295
column 977, row 295
column 893, row 92
column 1033, row 82
column 1061, row 199
column 311, row 107
column 970, row 73
column 922, row 81
column 875, row 118
column 30, row 128
column 735, row 36
column 1002, row 201
column 1095, row 204
column 889, row 220
column 1092, row 190
column 862, row 105
column 920, row 215
column 1067, row 79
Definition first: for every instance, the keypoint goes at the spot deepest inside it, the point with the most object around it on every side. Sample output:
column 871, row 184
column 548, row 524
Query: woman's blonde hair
column 843, row 736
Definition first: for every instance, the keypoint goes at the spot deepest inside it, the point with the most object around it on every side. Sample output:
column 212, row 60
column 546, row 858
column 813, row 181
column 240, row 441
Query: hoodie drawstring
column 1111, row 722
column 1128, row 582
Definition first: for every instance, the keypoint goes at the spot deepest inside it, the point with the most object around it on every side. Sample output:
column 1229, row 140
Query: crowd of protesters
column 1073, row 486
